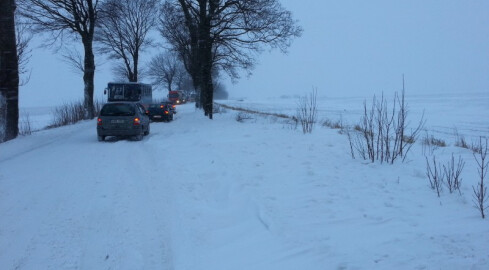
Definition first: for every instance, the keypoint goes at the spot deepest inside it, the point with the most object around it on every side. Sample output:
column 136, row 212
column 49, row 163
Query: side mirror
column 105, row 91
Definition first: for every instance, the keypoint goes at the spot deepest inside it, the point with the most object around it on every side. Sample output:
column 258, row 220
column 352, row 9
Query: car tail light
column 137, row 121
column 166, row 112
column 161, row 106
column 99, row 121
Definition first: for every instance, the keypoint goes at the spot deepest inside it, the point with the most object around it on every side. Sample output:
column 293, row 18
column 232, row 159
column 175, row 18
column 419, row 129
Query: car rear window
column 117, row 110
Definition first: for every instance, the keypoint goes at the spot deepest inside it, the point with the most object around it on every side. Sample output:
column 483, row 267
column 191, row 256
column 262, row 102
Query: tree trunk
column 88, row 78
column 134, row 72
column 207, row 85
column 205, row 56
column 9, row 73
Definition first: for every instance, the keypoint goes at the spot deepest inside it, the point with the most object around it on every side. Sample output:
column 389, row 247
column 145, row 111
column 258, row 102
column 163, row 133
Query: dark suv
column 122, row 119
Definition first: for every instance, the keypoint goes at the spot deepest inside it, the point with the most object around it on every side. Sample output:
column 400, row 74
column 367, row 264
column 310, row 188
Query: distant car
column 160, row 112
column 172, row 106
column 123, row 119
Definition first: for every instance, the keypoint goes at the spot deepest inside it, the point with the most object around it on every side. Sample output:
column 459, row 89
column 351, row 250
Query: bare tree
column 73, row 17
column 124, row 27
column 227, row 35
column 74, row 58
column 183, row 39
column 166, row 70
column 9, row 73
column 23, row 38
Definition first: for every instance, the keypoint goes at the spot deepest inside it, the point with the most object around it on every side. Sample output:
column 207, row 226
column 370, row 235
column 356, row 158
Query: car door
column 144, row 116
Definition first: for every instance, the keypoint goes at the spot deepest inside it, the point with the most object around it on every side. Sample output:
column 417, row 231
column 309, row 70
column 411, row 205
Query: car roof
column 123, row 102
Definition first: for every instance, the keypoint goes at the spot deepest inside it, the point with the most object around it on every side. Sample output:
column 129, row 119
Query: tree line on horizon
column 203, row 40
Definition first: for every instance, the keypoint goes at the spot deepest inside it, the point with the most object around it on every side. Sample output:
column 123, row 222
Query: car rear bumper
column 119, row 132
column 158, row 117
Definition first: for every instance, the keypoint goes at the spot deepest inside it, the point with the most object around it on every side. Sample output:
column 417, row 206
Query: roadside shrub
column 460, row 140
column 434, row 141
column 430, row 144
column 333, row 124
column 435, row 175
column 25, row 125
column 357, row 128
column 452, row 174
column 307, row 111
column 242, row 116
column 72, row 113
column 291, row 123
column 476, row 148
column 448, row 174
column 382, row 132
column 480, row 191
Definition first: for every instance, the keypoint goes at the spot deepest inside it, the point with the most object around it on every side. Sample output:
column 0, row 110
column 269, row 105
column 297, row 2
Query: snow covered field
column 220, row 194
column 445, row 114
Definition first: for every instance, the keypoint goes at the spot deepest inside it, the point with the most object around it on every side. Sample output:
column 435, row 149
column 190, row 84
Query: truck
column 176, row 97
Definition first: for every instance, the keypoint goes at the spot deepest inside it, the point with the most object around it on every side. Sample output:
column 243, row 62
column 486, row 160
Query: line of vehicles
column 130, row 110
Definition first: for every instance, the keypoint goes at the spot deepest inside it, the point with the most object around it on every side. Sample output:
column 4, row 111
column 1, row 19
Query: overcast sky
column 348, row 48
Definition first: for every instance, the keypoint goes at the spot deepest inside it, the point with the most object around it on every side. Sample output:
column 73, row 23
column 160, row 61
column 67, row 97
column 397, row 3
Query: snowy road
column 200, row 194
column 84, row 204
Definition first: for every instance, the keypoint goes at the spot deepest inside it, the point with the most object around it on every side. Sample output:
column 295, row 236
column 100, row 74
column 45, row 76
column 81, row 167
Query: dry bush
column 68, row 114
column 290, row 123
column 460, row 140
column 435, row 175
column 476, row 148
column 382, row 133
column 333, row 124
column 480, row 191
column 452, row 173
column 72, row 113
column 242, row 116
column 307, row 111
column 25, row 125
column 430, row 144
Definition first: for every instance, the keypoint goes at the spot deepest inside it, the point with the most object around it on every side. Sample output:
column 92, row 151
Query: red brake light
column 99, row 121
column 161, row 106
column 166, row 112
column 137, row 121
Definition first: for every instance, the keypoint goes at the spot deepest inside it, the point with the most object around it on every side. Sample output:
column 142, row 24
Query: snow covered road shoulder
column 220, row 194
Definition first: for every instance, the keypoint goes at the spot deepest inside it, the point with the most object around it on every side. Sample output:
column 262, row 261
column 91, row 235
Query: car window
column 141, row 109
column 117, row 110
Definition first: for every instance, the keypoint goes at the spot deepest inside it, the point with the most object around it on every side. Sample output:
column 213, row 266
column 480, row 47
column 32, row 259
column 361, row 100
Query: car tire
column 140, row 136
column 147, row 131
column 101, row 138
